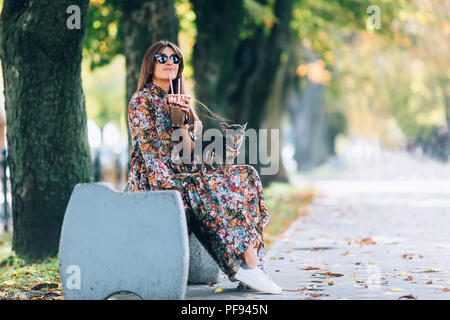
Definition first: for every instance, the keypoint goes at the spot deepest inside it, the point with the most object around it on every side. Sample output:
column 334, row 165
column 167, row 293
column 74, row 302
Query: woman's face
column 163, row 71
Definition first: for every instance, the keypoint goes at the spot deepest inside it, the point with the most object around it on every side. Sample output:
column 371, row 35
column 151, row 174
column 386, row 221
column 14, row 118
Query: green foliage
column 258, row 14
column 326, row 25
column 187, row 33
column 385, row 97
column 103, row 39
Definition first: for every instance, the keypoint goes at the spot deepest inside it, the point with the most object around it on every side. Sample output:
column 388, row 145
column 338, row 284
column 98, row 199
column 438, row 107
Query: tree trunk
column 310, row 122
column 48, row 150
column 258, row 60
column 285, row 79
column 218, row 26
column 144, row 23
column 237, row 79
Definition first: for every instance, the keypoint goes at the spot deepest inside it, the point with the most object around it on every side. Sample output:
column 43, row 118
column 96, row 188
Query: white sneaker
column 257, row 279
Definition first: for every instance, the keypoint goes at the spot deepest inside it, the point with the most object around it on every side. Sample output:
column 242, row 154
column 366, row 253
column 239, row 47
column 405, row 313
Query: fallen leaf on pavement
column 359, row 281
column 409, row 296
column 317, row 294
column 445, row 289
column 365, row 241
column 409, row 278
column 396, row 289
column 331, row 274
column 430, row 282
column 330, row 282
column 218, row 290
column 402, row 273
column 311, row 268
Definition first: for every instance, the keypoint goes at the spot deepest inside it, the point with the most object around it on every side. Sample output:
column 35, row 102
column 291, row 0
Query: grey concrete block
column 202, row 267
column 123, row 241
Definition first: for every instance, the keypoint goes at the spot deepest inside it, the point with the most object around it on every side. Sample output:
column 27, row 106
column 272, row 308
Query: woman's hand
column 185, row 103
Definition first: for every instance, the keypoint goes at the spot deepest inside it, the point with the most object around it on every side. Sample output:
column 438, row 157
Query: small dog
column 232, row 141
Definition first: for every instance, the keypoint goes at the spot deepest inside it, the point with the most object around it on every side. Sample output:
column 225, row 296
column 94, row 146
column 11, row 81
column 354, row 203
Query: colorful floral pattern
column 227, row 213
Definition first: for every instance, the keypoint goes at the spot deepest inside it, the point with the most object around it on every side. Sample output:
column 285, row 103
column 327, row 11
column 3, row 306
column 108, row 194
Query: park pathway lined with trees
column 379, row 230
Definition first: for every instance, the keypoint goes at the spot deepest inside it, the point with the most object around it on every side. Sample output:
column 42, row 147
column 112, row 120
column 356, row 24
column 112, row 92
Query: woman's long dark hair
column 146, row 76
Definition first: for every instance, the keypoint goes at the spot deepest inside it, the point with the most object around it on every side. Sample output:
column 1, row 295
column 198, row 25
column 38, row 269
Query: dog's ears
column 245, row 125
column 224, row 126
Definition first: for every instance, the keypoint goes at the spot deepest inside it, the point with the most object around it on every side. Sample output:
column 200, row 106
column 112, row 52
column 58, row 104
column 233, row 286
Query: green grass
column 5, row 246
column 19, row 276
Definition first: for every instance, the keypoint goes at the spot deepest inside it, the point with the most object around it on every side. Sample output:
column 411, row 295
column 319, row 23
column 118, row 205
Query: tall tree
column 236, row 56
column 48, row 150
column 219, row 25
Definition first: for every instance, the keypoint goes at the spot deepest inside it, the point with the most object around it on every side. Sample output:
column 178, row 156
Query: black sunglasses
column 162, row 58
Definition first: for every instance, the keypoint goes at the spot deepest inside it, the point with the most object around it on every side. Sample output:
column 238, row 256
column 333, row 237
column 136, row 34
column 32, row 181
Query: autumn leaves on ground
column 22, row 280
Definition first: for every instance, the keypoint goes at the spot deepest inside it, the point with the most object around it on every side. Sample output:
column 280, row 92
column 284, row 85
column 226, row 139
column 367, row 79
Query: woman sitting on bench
column 228, row 214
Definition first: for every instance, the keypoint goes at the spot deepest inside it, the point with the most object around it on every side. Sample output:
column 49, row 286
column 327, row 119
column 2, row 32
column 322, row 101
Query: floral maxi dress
column 227, row 214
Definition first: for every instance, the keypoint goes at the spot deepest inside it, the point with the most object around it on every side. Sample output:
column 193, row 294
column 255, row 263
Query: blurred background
column 345, row 81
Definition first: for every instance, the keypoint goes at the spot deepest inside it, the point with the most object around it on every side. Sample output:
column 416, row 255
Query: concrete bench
column 138, row 242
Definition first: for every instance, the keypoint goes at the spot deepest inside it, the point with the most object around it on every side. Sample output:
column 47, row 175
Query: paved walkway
column 379, row 230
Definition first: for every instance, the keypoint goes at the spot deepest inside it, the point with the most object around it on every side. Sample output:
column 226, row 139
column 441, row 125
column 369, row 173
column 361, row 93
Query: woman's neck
column 164, row 84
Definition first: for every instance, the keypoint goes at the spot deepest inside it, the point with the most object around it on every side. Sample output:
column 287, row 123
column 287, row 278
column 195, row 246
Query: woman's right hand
column 184, row 102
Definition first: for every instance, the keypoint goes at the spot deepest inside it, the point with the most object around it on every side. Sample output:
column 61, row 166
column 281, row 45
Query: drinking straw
column 178, row 89
column 171, row 86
